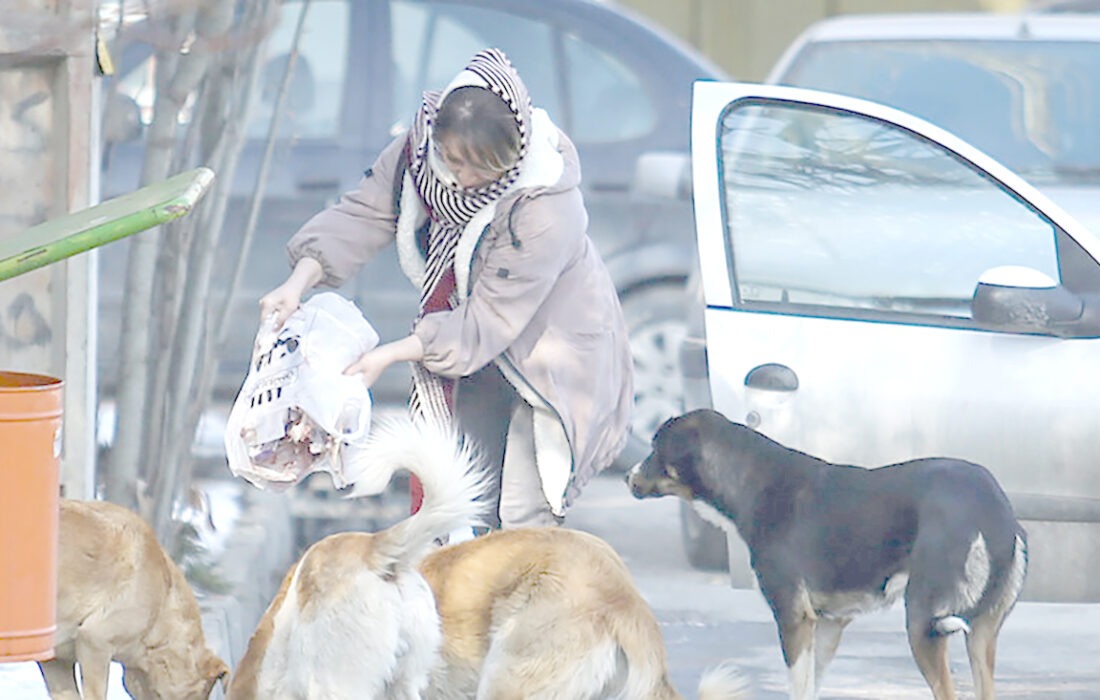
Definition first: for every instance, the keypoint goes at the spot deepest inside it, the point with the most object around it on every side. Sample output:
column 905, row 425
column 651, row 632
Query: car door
column 876, row 290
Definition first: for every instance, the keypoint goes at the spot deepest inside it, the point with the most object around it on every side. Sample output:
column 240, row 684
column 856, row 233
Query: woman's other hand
column 284, row 300
column 372, row 363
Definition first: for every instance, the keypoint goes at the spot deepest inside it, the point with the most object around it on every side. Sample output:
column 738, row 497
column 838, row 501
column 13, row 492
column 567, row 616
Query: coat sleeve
column 350, row 233
column 519, row 273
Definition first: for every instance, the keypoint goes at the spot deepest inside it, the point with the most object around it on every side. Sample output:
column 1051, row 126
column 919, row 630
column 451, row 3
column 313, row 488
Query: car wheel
column 704, row 544
column 656, row 320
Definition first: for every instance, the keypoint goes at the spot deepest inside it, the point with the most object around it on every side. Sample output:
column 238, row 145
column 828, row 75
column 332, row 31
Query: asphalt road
column 1047, row 651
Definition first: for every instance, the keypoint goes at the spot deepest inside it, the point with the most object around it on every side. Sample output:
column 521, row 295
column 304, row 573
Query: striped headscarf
column 450, row 207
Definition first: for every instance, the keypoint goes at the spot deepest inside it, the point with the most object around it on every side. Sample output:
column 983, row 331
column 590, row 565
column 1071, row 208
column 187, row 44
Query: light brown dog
column 120, row 597
column 354, row 619
column 548, row 614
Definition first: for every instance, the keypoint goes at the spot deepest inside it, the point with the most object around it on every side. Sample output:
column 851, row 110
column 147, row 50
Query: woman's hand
column 278, row 304
column 373, row 362
column 281, row 302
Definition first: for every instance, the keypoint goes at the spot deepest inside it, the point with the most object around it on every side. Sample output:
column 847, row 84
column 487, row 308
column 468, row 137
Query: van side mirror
column 1020, row 299
column 663, row 174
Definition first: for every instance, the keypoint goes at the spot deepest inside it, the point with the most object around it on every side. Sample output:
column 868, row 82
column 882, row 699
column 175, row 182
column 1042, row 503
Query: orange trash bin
column 30, row 436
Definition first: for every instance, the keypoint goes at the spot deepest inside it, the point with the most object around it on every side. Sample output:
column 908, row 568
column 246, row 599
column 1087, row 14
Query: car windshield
column 1033, row 105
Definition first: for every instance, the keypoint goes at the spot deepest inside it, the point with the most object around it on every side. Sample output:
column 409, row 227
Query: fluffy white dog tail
column 449, row 472
column 723, row 682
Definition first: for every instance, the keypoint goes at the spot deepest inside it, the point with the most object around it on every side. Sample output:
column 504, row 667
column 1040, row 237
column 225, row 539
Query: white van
column 877, row 288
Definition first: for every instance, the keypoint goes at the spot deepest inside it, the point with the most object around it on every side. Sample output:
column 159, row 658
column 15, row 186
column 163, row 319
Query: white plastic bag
column 297, row 412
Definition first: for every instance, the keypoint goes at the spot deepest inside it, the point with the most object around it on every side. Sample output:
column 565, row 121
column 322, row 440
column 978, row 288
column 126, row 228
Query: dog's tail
column 723, row 682
column 450, row 474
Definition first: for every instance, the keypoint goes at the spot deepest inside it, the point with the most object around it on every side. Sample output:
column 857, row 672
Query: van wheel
column 704, row 544
column 656, row 319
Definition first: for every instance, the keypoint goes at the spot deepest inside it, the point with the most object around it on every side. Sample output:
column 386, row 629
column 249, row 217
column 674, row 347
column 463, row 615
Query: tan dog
column 120, row 597
column 354, row 619
column 548, row 614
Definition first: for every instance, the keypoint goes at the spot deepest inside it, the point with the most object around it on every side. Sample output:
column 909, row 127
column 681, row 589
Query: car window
column 588, row 91
column 826, row 210
column 610, row 99
column 314, row 99
column 432, row 41
column 1031, row 104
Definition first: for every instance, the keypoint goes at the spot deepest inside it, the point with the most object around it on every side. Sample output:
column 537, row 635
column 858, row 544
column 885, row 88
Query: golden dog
column 548, row 614
column 120, row 597
column 354, row 619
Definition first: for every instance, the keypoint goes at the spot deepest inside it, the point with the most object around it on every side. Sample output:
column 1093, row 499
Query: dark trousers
column 483, row 411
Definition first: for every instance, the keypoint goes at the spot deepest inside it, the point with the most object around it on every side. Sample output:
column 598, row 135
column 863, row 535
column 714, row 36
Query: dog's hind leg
column 544, row 659
column 981, row 647
column 827, row 634
column 981, row 638
column 930, row 652
column 60, row 677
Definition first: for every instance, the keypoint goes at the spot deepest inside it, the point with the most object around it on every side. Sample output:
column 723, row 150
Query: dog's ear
column 683, row 438
column 682, row 447
column 216, row 670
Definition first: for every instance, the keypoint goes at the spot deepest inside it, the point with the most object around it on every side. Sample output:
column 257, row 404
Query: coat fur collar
column 543, row 167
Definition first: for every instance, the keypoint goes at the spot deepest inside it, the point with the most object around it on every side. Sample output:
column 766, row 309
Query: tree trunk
column 135, row 366
column 210, row 57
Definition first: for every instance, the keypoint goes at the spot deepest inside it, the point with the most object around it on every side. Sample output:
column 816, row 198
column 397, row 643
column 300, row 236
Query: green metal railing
column 67, row 235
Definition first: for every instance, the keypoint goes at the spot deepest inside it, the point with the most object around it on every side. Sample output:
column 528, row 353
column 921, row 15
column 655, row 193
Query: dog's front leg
column 95, row 664
column 60, row 677
column 797, row 621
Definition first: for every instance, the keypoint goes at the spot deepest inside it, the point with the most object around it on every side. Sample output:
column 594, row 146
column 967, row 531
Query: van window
column 1033, row 105
column 829, row 209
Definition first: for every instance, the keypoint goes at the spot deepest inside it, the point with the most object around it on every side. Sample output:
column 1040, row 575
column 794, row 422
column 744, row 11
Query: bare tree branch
column 261, row 176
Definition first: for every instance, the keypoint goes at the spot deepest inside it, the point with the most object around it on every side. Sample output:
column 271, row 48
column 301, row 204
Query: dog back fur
column 547, row 613
column 354, row 618
column 120, row 597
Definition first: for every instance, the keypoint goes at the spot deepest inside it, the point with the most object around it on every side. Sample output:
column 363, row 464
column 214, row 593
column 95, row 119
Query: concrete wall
column 47, row 82
column 747, row 36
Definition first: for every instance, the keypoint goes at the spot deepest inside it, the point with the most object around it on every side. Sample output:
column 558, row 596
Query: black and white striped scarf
column 450, row 207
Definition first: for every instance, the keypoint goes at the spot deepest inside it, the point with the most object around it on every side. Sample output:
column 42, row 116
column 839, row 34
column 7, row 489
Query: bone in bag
column 297, row 412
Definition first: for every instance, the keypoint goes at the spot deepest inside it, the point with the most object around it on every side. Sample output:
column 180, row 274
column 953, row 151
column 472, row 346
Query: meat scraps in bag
column 297, row 412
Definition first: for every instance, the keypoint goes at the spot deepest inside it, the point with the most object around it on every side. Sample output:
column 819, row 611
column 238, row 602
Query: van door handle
column 772, row 377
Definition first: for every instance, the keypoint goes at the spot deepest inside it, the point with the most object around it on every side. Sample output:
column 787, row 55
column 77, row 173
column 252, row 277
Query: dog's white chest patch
column 709, row 513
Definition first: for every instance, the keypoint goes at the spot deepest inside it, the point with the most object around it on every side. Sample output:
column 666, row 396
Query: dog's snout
column 637, row 483
column 629, row 476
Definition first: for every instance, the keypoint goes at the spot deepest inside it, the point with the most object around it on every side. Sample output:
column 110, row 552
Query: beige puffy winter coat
column 537, row 300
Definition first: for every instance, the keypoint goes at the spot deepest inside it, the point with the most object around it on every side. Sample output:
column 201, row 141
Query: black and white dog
column 829, row 542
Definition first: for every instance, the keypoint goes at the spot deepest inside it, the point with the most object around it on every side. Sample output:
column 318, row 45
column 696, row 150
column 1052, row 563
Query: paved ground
column 1047, row 651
